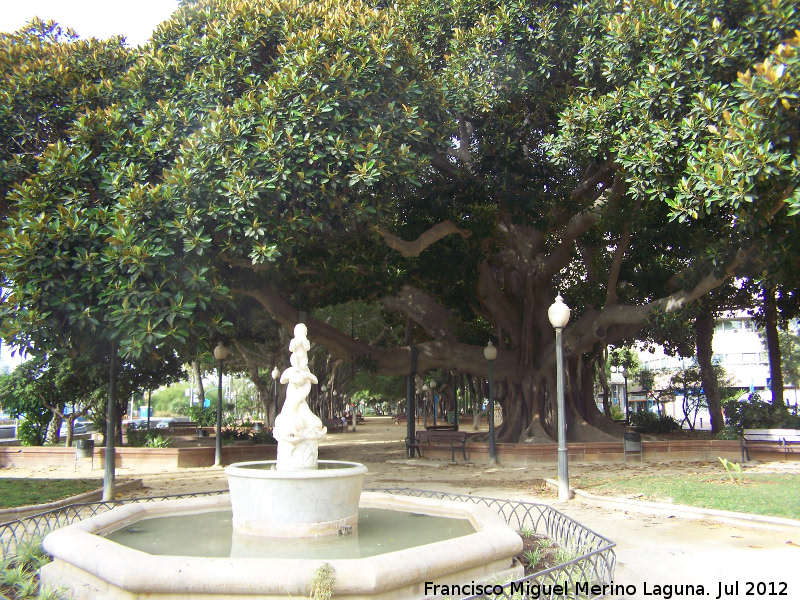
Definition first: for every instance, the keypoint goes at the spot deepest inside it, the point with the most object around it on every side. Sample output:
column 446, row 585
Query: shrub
column 234, row 433
column 754, row 413
column 265, row 437
column 648, row 422
column 729, row 433
column 137, row 438
column 154, row 440
column 616, row 413
column 146, row 438
column 204, row 416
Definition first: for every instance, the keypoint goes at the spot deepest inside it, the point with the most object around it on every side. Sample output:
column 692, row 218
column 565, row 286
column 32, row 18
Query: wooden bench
column 429, row 439
column 443, row 427
column 770, row 440
column 333, row 425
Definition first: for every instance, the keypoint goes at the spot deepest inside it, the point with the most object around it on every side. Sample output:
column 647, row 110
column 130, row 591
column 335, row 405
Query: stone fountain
column 296, row 495
column 183, row 549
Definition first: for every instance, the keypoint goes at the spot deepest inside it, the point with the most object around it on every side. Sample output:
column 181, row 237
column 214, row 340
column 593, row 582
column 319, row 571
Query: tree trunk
column 198, row 380
column 773, row 346
column 704, row 334
column 53, row 434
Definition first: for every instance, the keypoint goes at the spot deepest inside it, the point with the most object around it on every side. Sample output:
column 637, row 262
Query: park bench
column 399, row 419
column 333, row 425
column 770, row 440
column 430, row 439
column 442, row 427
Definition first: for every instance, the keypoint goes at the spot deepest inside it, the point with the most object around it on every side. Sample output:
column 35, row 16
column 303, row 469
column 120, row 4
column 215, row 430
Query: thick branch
column 590, row 183
column 387, row 361
column 424, row 310
column 247, row 264
column 497, row 306
column 431, row 236
column 616, row 265
column 441, row 163
column 577, row 225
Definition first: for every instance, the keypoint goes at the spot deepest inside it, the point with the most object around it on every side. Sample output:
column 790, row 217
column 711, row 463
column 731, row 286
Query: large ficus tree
column 460, row 161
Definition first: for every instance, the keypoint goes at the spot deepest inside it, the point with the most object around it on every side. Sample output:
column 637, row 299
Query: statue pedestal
column 296, row 454
column 302, row 503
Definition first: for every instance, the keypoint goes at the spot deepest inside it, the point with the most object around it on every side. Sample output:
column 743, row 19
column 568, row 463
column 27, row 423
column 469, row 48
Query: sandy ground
column 653, row 552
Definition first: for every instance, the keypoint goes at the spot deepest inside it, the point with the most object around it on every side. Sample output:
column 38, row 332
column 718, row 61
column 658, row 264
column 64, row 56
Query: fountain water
column 274, row 503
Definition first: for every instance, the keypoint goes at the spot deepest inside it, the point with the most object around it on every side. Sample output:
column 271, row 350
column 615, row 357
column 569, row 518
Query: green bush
column 146, row 438
column 265, row 437
column 235, row 433
column 755, row 413
column 729, row 433
column 648, row 422
column 204, row 416
column 616, row 413
column 154, row 440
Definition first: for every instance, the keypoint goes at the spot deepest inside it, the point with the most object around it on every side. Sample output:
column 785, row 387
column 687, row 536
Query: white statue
column 297, row 429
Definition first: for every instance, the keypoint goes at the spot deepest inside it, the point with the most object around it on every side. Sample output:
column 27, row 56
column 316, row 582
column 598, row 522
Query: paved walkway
column 653, row 552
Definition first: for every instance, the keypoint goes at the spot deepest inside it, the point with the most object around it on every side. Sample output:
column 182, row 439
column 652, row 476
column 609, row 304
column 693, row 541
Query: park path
column 653, row 552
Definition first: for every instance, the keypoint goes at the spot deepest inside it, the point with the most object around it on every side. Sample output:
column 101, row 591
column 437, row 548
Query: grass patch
column 22, row 492
column 771, row 494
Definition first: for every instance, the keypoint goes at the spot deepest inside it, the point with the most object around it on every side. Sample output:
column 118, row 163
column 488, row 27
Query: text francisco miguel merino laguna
column 550, row 590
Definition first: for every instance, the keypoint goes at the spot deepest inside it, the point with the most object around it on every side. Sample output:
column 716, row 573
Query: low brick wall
column 166, row 458
column 652, row 451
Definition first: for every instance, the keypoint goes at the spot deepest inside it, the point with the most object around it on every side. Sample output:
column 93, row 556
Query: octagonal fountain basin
column 302, row 503
column 470, row 544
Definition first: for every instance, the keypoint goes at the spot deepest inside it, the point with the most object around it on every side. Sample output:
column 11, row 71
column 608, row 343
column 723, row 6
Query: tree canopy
column 461, row 162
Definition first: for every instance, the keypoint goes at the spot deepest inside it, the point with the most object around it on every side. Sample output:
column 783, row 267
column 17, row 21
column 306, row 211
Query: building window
column 733, row 359
column 749, row 358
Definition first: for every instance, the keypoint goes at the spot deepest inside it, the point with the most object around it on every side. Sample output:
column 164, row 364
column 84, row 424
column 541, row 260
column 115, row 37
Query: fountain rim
column 108, row 561
column 346, row 469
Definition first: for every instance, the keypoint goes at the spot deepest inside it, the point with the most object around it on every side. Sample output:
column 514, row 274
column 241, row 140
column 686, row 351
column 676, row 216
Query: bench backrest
column 771, row 435
column 442, row 435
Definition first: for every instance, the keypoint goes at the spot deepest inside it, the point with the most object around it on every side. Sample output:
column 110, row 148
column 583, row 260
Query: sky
column 134, row 19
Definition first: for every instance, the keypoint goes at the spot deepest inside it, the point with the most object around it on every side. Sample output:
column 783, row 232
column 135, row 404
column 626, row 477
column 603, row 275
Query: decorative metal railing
column 20, row 531
column 588, row 574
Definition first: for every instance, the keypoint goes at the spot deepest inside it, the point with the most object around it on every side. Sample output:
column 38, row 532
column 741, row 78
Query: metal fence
column 21, row 531
column 588, row 574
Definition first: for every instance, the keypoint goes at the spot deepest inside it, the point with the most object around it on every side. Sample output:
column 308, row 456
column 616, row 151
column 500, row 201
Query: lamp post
column 425, row 389
column 324, row 388
column 490, row 353
column 433, row 399
column 627, row 404
column 275, row 375
column 220, row 353
column 558, row 313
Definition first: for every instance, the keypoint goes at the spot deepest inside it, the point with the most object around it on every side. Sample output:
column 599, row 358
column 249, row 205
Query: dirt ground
column 379, row 444
column 651, row 550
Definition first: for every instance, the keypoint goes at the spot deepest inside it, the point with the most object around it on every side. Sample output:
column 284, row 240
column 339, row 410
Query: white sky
column 102, row 19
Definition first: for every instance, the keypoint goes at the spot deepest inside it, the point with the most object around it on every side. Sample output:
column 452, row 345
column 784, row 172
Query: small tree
column 687, row 383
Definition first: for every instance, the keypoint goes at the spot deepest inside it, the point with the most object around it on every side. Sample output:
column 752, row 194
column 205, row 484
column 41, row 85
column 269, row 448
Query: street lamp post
column 627, row 404
column 275, row 375
column 433, row 399
column 490, row 353
column 324, row 388
column 558, row 313
column 220, row 353
column 425, row 389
